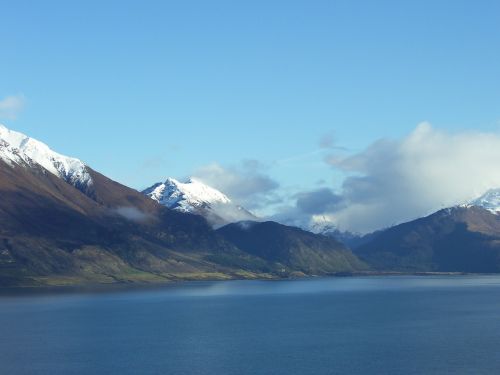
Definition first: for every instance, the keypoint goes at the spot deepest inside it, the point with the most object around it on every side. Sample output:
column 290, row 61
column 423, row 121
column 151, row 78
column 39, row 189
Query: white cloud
column 245, row 183
column 11, row 106
column 393, row 181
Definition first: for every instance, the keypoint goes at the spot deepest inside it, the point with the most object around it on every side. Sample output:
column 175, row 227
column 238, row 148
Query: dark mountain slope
column 291, row 248
column 112, row 194
column 460, row 239
column 34, row 202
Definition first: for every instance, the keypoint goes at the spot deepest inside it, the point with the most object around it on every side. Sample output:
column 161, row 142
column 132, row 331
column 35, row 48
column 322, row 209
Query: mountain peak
column 186, row 196
column 489, row 201
column 194, row 196
column 18, row 148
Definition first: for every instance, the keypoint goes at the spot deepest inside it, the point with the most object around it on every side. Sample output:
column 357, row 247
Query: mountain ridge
column 456, row 239
column 17, row 147
column 292, row 247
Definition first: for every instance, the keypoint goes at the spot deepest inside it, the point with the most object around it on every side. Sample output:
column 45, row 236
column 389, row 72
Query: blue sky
column 150, row 89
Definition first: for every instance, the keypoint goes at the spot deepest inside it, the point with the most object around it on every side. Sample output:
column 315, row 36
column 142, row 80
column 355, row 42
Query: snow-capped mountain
column 194, row 196
column 186, row 197
column 19, row 149
column 321, row 226
column 329, row 229
column 489, row 201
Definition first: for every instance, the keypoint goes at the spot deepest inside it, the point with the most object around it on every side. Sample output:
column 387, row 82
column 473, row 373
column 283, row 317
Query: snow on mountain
column 186, row 197
column 194, row 196
column 489, row 201
column 325, row 227
column 17, row 148
column 11, row 155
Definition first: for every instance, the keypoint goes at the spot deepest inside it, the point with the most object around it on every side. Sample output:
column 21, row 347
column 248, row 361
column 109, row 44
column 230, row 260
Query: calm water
column 363, row 325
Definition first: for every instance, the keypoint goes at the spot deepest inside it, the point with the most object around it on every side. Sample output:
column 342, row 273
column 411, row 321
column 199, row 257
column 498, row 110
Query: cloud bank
column 11, row 106
column 393, row 181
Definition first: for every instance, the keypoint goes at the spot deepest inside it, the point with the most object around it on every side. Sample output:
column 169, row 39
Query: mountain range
column 194, row 196
column 451, row 240
column 61, row 222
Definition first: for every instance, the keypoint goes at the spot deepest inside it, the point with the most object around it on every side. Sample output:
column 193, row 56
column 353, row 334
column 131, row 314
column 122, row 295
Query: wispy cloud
column 326, row 145
column 327, row 141
column 311, row 156
column 11, row 106
column 154, row 162
column 132, row 214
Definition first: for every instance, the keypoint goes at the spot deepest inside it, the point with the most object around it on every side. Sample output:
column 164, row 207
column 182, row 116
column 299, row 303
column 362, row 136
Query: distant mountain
column 193, row 196
column 489, row 201
column 457, row 239
column 328, row 229
column 291, row 248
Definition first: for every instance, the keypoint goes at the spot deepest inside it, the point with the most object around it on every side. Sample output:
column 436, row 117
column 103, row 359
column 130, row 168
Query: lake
column 352, row 325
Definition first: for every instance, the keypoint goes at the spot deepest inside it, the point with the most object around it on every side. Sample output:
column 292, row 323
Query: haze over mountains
column 61, row 222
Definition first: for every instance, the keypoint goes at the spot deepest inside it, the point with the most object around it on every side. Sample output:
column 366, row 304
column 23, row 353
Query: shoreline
column 128, row 286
